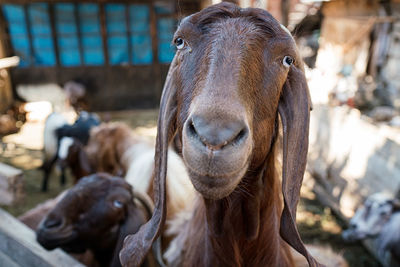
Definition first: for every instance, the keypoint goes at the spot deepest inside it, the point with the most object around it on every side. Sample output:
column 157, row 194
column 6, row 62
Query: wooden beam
column 285, row 8
column 104, row 33
column 79, row 33
column 128, row 33
column 8, row 62
column 54, row 33
column 20, row 246
column 28, row 30
column 153, row 32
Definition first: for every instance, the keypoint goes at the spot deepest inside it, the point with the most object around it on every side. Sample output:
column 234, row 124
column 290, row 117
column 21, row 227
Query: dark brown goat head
column 234, row 71
column 97, row 213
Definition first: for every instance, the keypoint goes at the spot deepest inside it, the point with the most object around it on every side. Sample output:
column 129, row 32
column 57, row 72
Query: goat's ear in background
column 134, row 219
column 137, row 246
column 84, row 162
column 294, row 109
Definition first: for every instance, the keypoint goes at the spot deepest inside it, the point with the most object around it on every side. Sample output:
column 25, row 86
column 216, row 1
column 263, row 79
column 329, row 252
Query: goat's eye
column 180, row 43
column 287, row 61
column 117, row 204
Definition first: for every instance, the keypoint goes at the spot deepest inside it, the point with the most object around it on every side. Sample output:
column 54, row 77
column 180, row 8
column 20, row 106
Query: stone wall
column 351, row 157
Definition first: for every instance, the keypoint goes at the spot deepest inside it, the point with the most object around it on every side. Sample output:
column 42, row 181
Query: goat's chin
column 215, row 188
column 51, row 241
column 216, row 173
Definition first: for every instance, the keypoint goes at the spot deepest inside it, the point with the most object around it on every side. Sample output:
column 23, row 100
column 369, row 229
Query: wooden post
column 11, row 184
column 78, row 32
column 18, row 247
column 128, row 32
column 285, row 6
column 54, row 33
column 28, row 30
column 6, row 90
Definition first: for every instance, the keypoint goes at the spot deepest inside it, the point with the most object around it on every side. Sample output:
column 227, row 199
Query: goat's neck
column 228, row 232
column 103, row 252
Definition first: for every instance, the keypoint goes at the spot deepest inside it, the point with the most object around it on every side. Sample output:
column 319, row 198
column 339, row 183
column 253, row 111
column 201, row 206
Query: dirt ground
column 317, row 224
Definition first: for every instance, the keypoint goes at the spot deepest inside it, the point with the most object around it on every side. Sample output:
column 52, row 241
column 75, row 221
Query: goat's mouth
column 216, row 187
column 54, row 239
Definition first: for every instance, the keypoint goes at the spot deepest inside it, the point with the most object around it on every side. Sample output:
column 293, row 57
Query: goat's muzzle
column 53, row 233
column 216, row 150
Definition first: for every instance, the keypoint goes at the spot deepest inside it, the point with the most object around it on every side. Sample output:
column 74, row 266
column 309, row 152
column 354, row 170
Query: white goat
column 378, row 218
column 53, row 122
column 139, row 160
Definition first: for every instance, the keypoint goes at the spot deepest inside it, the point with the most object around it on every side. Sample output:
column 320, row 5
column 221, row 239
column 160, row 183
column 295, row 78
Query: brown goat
column 107, row 145
column 235, row 70
column 113, row 149
column 96, row 214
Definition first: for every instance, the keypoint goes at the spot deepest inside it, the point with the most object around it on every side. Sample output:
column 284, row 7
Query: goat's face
column 234, row 71
column 370, row 218
column 89, row 215
column 230, row 73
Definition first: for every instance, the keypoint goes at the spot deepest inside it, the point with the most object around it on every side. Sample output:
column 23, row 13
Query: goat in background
column 62, row 142
column 96, row 214
column 378, row 217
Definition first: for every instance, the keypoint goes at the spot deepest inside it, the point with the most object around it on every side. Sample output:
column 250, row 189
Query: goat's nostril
column 191, row 128
column 240, row 136
column 53, row 223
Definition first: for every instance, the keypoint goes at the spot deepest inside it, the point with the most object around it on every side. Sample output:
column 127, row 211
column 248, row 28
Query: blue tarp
column 140, row 34
column 117, row 38
column 15, row 16
column 166, row 28
column 79, row 31
column 67, row 34
column 42, row 41
column 92, row 44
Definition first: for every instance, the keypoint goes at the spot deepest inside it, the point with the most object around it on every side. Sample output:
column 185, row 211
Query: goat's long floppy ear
column 137, row 246
column 294, row 108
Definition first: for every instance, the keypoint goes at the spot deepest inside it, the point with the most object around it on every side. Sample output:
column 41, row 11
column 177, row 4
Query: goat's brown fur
column 107, row 145
column 114, row 149
column 221, row 99
column 231, row 247
column 87, row 218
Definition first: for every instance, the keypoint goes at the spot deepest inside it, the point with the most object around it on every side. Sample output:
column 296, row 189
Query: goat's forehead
column 240, row 32
column 239, row 27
